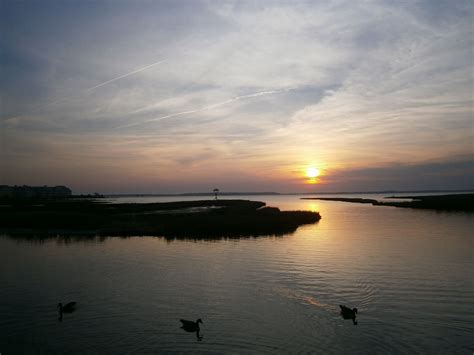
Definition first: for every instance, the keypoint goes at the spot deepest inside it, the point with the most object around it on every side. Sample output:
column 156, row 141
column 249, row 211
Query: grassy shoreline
column 194, row 219
column 453, row 202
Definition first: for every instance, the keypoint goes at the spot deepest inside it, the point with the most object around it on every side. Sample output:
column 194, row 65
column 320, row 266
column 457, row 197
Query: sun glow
column 312, row 172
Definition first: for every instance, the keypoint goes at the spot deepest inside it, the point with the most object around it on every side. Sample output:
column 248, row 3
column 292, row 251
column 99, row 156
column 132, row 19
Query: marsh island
column 194, row 219
column 452, row 202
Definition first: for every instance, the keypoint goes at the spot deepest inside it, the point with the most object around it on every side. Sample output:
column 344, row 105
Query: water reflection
column 96, row 239
column 259, row 295
column 313, row 207
column 58, row 239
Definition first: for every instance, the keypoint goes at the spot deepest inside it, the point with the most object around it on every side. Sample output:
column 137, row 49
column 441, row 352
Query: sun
column 312, row 172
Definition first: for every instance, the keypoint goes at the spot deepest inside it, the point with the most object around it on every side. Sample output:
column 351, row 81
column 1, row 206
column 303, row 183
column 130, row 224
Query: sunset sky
column 186, row 96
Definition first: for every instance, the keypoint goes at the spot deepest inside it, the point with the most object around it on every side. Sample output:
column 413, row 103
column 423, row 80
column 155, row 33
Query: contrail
column 210, row 107
column 124, row 75
column 86, row 90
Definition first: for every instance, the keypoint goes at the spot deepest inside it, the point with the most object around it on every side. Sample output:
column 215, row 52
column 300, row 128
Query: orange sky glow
column 171, row 98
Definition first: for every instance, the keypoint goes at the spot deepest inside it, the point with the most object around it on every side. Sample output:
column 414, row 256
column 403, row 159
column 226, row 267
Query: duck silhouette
column 67, row 308
column 348, row 313
column 191, row 327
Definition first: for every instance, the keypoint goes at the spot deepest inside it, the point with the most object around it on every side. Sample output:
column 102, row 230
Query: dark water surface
column 409, row 272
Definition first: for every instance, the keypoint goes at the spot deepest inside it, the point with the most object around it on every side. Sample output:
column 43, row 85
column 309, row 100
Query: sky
column 188, row 96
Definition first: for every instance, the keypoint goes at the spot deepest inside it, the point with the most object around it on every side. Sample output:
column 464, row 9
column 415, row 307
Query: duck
column 348, row 313
column 67, row 308
column 190, row 326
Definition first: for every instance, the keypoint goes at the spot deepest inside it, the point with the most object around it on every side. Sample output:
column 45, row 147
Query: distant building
column 34, row 191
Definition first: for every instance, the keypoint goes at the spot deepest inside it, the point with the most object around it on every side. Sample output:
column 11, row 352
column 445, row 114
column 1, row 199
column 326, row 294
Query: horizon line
column 230, row 193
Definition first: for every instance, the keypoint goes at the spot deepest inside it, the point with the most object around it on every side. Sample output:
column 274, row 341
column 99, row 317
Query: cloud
column 457, row 173
column 16, row 119
column 125, row 75
column 269, row 87
column 207, row 108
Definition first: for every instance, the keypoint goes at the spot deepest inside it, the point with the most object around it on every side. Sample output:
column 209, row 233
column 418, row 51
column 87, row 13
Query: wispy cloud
column 81, row 92
column 270, row 87
column 124, row 75
column 210, row 107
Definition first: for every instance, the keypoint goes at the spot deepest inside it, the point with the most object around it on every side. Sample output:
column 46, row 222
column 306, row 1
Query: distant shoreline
column 452, row 202
column 271, row 193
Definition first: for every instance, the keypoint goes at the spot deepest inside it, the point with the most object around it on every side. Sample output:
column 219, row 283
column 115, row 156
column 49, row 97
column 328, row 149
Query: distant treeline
column 197, row 194
column 34, row 191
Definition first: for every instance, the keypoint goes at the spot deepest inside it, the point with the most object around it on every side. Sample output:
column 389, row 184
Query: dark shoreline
column 455, row 202
column 206, row 219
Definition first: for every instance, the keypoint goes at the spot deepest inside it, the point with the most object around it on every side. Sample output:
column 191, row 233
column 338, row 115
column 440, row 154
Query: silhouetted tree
column 216, row 192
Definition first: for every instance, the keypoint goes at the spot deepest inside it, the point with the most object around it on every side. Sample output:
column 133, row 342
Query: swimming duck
column 190, row 326
column 67, row 308
column 348, row 313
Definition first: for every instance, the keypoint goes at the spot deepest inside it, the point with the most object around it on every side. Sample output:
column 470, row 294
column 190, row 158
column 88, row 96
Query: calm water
column 409, row 272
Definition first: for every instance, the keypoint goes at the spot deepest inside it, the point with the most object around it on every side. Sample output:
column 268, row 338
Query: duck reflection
column 348, row 313
column 192, row 327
